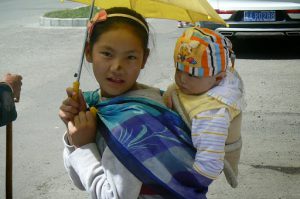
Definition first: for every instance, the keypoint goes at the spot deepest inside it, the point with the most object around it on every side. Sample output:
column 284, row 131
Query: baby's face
column 193, row 85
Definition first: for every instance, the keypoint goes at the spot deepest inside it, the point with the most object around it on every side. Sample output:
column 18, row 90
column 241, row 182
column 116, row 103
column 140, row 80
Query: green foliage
column 82, row 12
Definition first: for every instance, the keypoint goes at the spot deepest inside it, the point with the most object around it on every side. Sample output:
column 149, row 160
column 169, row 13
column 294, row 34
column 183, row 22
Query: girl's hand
column 70, row 108
column 82, row 130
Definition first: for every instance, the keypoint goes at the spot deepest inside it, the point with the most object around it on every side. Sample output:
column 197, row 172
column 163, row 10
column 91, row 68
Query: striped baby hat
column 202, row 52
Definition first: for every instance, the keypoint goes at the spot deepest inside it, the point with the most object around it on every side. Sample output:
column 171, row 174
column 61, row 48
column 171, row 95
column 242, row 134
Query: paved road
column 48, row 57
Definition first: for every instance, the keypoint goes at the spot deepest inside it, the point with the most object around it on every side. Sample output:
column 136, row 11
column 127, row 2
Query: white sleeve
column 209, row 133
column 104, row 178
column 68, row 149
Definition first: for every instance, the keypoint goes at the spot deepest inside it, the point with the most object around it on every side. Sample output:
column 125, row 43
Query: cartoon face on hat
column 202, row 52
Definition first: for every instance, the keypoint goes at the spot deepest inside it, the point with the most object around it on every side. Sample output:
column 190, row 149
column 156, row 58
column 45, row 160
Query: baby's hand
column 219, row 77
column 82, row 130
column 70, row 107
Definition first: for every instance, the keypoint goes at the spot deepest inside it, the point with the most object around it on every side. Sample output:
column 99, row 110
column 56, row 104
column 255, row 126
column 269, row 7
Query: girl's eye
column 132, row 57
column 106, row 54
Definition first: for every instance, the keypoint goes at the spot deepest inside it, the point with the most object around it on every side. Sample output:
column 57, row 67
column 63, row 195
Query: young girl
column 138, row 148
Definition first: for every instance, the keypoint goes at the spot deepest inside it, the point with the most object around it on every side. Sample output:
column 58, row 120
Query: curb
column 63, row 22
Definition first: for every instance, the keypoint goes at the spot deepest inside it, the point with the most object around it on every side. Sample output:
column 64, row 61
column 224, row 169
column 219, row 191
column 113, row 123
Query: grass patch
column 82, row 12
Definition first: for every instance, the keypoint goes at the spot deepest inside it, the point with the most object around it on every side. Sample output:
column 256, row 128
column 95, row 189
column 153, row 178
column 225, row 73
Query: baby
column 208, row 94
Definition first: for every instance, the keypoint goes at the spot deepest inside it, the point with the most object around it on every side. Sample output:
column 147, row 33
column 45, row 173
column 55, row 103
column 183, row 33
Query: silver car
column 257, row 17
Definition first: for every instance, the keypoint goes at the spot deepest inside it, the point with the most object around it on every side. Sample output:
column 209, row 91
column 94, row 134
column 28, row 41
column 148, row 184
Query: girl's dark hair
column 111, row 22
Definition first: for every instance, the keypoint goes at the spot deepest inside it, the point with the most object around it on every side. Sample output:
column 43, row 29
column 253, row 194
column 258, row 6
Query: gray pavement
column 47, row 57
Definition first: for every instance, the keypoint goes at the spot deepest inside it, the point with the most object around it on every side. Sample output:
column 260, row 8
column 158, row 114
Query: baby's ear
column 88, row 53
column 219, row 77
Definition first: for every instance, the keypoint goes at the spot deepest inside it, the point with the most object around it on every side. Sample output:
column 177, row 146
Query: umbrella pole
column 78, row 74
column 9, row 160
column 76, row 84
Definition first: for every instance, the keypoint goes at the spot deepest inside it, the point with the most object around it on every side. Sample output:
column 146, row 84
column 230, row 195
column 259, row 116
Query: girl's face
column 193, row 85
column 117, row 57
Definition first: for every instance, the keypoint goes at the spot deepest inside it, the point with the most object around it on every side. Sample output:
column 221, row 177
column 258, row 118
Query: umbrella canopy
column 190, row 11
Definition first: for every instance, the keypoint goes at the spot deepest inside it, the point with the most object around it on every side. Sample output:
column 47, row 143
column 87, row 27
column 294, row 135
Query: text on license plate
column 259, row 16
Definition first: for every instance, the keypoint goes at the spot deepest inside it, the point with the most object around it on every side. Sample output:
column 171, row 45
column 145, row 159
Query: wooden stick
column 9, row 159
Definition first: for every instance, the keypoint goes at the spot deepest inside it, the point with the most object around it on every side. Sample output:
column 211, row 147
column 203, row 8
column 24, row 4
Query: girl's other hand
column 82, row 130
column 70, row 107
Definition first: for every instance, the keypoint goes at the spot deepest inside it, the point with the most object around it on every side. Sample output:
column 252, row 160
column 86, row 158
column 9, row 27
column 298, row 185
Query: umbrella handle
column 76, row 85
column 9, row 160
column 93, row 111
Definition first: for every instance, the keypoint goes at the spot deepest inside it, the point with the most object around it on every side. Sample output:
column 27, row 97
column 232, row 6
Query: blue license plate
column 259, row 16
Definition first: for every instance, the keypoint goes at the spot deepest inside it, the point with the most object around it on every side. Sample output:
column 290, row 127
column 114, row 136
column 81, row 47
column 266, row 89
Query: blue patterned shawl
column 151, row 142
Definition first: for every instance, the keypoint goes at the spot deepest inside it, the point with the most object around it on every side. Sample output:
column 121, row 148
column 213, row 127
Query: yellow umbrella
column 190, row 11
